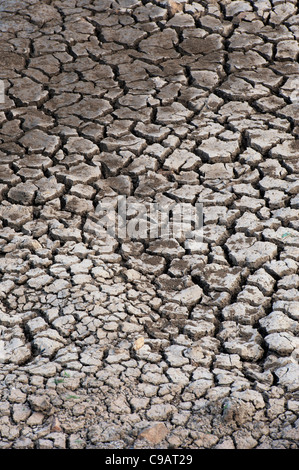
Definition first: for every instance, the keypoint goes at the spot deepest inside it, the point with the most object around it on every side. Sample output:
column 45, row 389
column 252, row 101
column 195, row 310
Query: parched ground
column 153, row 343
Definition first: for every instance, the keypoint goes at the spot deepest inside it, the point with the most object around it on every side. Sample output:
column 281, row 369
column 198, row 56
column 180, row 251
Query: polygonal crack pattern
column 153, row 343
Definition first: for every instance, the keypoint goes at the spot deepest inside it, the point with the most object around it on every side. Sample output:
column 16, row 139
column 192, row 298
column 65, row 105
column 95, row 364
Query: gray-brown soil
column 154, row 342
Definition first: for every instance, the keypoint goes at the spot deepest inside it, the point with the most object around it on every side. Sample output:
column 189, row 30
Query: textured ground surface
column 151, row 344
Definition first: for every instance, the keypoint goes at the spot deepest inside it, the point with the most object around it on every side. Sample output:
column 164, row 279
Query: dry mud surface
column 155, row 342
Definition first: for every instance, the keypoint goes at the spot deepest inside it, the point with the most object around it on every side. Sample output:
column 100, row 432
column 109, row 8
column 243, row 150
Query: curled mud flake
column 138, row 343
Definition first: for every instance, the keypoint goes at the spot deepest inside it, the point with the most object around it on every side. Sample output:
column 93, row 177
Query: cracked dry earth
column 155, row 344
